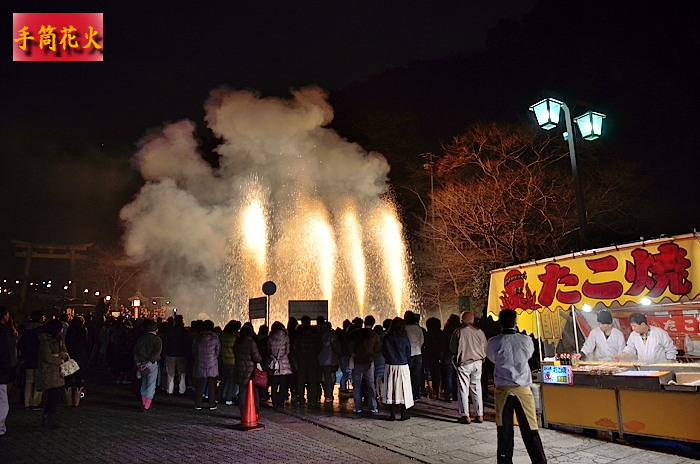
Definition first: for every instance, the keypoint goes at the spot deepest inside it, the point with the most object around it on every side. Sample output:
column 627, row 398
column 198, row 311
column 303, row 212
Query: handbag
column 259, row 378
column 69, row 367
column 273, row 364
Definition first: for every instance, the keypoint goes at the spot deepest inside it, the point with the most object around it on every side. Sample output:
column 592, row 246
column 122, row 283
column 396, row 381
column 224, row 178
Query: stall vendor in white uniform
column 604, row 342
column 650, row 345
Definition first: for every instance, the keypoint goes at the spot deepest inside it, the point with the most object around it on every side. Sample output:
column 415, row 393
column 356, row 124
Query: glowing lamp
column 136, row 303
column 586, row 308
column 547, row 113
column 646, row 301
column 590, row 124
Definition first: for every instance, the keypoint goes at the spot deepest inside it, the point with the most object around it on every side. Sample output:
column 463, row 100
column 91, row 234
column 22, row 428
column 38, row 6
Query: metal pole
column 573, row 316
column 582, row 221
column 539, row 336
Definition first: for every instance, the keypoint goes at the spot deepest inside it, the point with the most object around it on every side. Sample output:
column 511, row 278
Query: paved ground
column 108, row 427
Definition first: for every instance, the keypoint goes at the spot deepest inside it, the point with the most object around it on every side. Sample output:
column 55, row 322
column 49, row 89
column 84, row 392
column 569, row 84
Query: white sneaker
column 229, row 403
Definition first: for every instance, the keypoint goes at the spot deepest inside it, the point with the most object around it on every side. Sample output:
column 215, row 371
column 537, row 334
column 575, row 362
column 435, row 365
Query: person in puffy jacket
column 205, row 353
column 52, row 353
column 228, row 389
column 279, row 367
column 247, row 357
column 328, row 357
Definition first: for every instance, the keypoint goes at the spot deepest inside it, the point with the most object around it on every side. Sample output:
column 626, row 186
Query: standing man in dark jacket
column 307, row 345
column 364, row 345
column 177, row 345
column 29, row 351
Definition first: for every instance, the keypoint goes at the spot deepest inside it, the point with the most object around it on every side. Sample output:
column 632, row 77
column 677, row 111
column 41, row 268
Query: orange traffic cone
column 249, row 416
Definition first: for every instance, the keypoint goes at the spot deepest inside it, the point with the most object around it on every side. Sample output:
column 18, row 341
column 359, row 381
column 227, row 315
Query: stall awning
column 657, row 273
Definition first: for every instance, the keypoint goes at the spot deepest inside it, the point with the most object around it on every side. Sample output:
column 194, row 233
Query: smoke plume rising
column 181, row 221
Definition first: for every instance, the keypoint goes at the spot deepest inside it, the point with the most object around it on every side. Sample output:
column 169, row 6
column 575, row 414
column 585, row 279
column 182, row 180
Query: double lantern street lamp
column 590, row 125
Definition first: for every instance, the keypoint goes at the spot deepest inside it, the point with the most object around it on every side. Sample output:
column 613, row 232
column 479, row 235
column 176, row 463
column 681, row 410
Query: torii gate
column 31, row 251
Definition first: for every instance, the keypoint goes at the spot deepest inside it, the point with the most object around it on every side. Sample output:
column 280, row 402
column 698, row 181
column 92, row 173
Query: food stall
column 659, row 278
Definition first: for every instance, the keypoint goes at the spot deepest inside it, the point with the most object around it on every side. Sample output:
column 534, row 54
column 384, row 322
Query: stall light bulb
column 646, row 301
column 586, row 308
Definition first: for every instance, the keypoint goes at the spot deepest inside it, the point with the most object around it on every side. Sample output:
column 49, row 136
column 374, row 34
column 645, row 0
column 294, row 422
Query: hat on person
column 149, row 325
column 604, row 317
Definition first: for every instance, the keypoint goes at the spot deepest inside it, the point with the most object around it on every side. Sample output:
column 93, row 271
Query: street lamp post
column 590, row 124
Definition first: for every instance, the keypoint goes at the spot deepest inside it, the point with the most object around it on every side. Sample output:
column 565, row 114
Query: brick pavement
column 108, row 428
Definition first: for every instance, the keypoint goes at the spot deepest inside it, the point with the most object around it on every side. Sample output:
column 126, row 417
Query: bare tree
column 505, row 195
column 111, row 271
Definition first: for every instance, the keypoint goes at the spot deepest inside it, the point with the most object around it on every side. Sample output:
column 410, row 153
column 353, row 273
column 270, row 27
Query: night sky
column 69, row 130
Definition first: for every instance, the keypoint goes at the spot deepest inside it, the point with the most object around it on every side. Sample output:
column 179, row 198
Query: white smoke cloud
column 180, row 222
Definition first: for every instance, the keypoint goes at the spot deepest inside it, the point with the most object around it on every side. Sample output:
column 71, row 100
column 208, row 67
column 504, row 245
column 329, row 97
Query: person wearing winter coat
column 52, row 353
column 247, row 357
column 328, row 357
column 78, row 347
column 177, row 346
column 306, row 345
column 278, row 366
column 228, row 389
column 146, row 355
column 205, row 353
column 28, row 346
column 396, row 349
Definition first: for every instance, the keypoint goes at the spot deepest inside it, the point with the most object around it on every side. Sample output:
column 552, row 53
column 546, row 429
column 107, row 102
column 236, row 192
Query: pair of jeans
column 344, row 374
column 449, row 375
column 228, row 388
column 415, row 365
column 328, row 380
column 149, row 376
column 199, row 384
column 469, row 380
column 366, row 372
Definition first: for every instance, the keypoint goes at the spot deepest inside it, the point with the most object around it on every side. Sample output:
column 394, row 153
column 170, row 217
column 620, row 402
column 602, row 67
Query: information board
column 257, row 308
column 311, row 308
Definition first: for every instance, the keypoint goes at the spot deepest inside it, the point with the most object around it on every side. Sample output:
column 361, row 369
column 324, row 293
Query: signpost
column 269, row 288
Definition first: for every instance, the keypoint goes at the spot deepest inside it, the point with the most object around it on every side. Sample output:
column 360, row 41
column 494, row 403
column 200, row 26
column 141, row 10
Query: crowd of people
column 392, row 364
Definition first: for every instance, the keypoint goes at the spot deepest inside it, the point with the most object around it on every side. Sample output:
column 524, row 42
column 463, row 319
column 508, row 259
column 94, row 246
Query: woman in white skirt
column 397, row 377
